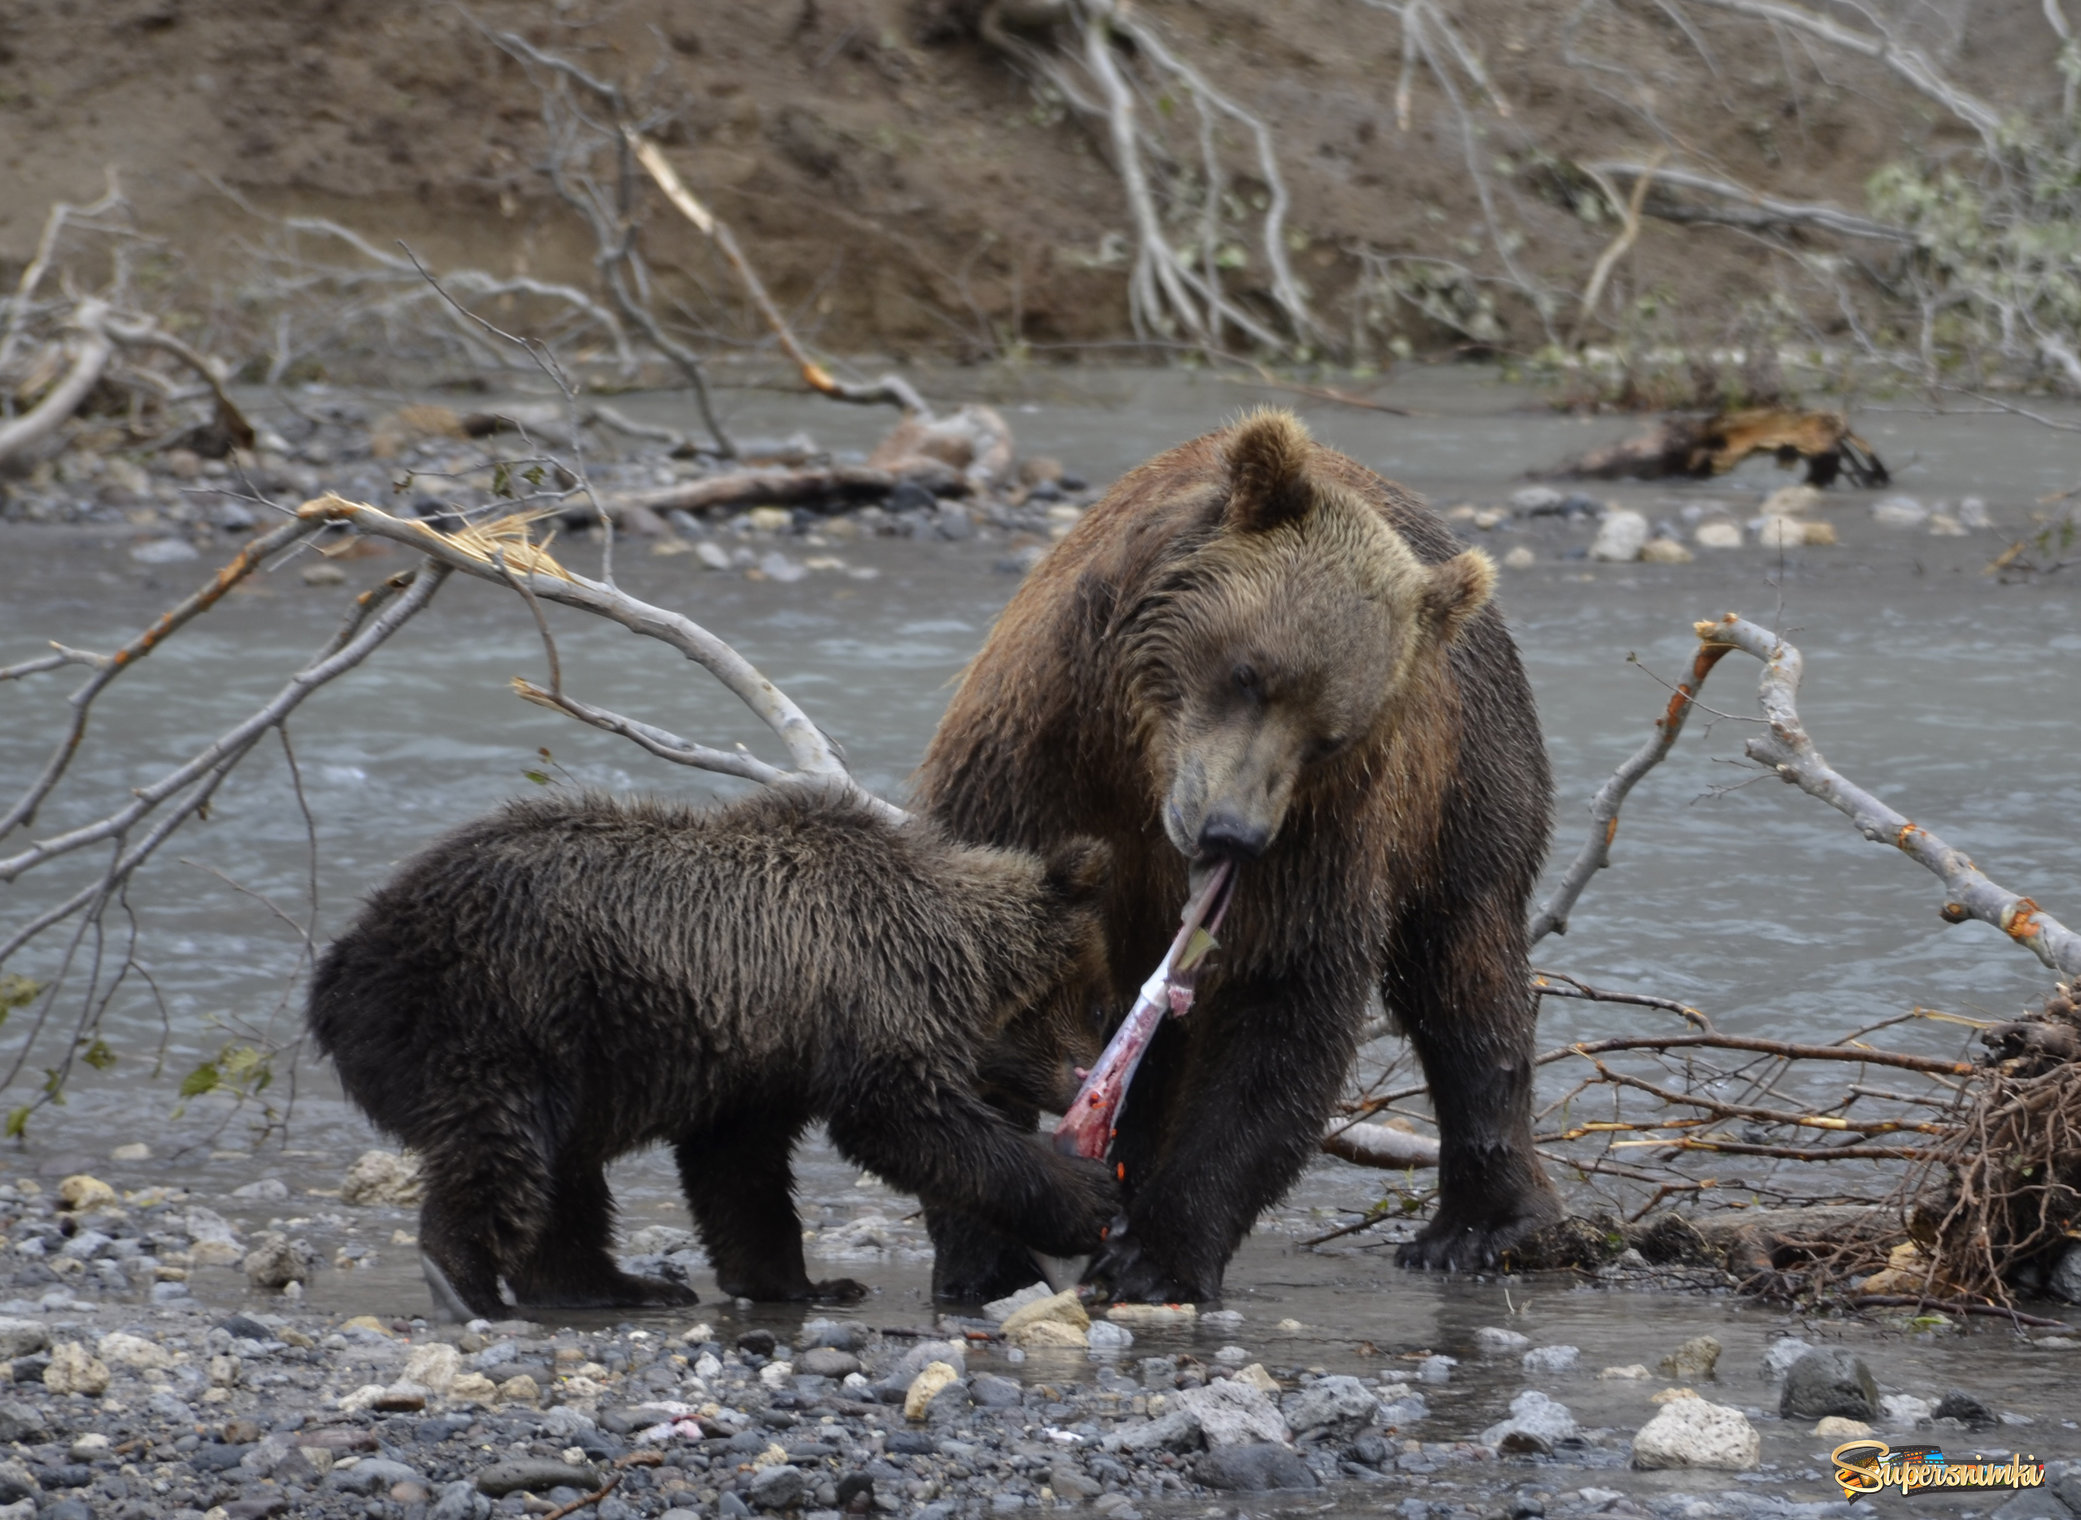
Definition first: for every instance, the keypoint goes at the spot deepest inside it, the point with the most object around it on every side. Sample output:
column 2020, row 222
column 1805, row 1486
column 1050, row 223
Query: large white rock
column 1535, row 1416
column 434, row 1366
column 2065, row 1281
column 1341, row 1405
column 1235, row 1413
column 1694, row 1433
column 1620, row 536
column 1494, row 1340
column 382, row 1177
column 121, row 1349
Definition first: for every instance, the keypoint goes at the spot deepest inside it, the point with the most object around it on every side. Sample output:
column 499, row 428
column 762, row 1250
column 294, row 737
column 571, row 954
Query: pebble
column 164, row 551
column 1493, row 1340
column 1253, row 1469
column 1621, row 535
column 1695, row 1358
column 1717, row 533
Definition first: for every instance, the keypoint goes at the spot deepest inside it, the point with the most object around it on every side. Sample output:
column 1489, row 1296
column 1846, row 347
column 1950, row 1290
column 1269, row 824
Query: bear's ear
column 1268, row 471
column 1077, row 869
column 1458, row 589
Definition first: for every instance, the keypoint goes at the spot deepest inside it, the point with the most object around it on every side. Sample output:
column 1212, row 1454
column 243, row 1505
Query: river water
column 1948, row 693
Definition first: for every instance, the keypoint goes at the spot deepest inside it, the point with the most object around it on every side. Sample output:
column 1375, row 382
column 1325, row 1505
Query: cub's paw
column 1123, row 1273
column 1090, row 1199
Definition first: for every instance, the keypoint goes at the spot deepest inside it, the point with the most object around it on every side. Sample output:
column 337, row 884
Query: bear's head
column 1291, row 635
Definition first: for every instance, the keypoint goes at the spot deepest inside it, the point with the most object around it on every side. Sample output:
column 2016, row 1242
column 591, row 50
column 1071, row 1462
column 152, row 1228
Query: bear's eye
column 1327, row 746
column 1246, row 677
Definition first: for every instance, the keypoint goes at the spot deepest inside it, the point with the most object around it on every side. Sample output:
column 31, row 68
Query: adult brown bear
column 1256, row 648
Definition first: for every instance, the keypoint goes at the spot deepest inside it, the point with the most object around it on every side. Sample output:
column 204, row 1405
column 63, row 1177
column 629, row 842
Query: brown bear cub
column 1255, row 649
column 573, row 978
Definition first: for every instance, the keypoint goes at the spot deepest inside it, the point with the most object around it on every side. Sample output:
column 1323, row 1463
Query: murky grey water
column 1950, row 695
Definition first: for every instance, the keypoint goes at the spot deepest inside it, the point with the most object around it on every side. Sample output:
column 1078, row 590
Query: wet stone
column 1253, row 1469
column 531, row 1476
column 1830, row 1381
column 1967, row 1410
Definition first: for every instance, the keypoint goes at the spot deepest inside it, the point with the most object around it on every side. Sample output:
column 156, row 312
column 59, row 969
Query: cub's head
column 1287, row 639
column 1048, row 1023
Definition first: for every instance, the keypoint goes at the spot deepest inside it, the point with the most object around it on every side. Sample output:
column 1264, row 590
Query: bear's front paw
column 1089, row 1195
column 1457, row 1244
column 1122, row 1273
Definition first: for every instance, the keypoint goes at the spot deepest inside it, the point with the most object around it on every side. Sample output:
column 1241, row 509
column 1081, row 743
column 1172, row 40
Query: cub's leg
column 956, row 1152
column 741, row 1190
column 487, row 1199
column 572, row 1265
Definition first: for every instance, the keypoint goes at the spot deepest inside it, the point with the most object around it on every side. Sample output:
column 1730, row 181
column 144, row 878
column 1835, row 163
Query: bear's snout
column 1229, row 834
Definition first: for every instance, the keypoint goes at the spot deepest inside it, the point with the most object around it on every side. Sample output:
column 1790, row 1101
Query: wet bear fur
column 575, row 977
column 1256, row 648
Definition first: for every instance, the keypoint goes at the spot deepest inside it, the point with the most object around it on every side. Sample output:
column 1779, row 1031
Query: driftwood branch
column 1905, row 61
column 1786, row 748
column 1746, row 207
column 1595, row 854
column 1378, row 1145
column 506, row 558
column 835, row 484
column 93, row 347
column 889, row 389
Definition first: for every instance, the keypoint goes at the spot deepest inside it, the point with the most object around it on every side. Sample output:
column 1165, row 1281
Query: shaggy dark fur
column 573, row 978
column 1256, row 648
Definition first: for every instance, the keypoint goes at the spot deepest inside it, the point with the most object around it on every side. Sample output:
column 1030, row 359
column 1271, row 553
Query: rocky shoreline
column 125, row 1394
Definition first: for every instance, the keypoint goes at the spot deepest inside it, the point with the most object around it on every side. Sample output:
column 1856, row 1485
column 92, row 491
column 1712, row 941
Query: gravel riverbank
column 126, row 1394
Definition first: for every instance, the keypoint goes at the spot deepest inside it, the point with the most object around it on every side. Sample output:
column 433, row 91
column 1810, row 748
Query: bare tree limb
column 499, row 553
column 225, row 751
column 1379, row 1145
column 1908, row 63
column 93, row 349
column 1760, row 210
column 54, row 225
column 1788, row 750
column 250, row 557
column 1595, row 854
column 890, row 388
column 835, row 483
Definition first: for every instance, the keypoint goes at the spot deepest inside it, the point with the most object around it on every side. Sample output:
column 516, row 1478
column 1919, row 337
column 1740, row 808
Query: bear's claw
column 1123, row 1274
column 1449, row 1246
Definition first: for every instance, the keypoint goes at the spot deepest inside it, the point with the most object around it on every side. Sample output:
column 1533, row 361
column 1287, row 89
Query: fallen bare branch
column 250, row 557
column 1379, row 1145
column 1757, row 209
column 1908, row 62
column 90, row 358
column 1788, row 750
column 1560, row 984
column 1860, row 1054
column 1595, row 854
column 889, row 389
column 501, row 554
column 836, row 484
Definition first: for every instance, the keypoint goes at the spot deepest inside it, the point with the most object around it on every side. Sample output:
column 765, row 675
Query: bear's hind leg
column 572, row 1265
column 741, row 1190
